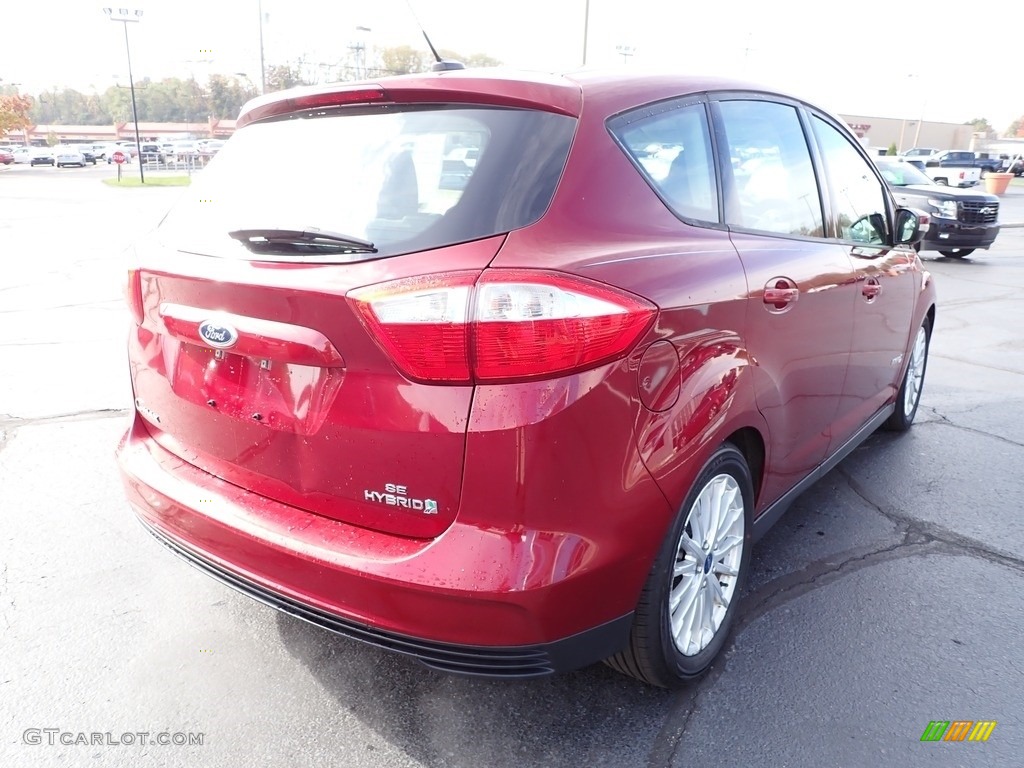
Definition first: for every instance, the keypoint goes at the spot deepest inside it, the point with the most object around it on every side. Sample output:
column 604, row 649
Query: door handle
column 780, row 293
column 871, row 288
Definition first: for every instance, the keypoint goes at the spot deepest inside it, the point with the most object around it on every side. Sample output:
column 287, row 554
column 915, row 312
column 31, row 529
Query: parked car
column 919, row 153
column 104, row 150
column 538, row 421
column 209, row 147
column 1014, row 165
column 6, row 157
column 181, row 151
column 152, row 153
column 72, row 155
column 962, row 220
column 40, row 156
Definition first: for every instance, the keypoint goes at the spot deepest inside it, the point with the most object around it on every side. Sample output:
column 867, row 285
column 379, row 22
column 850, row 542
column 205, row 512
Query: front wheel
column 957, row 253
column 688, row 603
column 909, row 396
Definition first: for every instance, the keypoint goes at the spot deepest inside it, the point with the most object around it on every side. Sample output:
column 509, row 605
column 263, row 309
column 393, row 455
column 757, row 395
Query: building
column 885, row 131
column 79, row 134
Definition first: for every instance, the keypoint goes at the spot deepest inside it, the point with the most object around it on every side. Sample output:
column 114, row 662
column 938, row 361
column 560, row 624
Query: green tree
column 1016, row 129
column 282, row 76
column 481, row 60
column 892, row 149
column 980, row 125
column 116, row 105
column 404, row 59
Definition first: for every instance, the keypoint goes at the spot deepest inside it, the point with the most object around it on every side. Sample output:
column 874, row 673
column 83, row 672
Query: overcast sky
column 859, row 58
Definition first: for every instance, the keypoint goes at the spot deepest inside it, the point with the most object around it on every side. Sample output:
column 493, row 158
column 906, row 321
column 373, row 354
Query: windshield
column 403, row 178
column 903, row 174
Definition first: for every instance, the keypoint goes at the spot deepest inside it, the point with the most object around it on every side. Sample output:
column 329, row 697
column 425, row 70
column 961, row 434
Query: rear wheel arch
column 750, row 442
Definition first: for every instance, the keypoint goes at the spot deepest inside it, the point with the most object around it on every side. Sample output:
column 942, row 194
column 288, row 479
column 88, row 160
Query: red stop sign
column 118, row 157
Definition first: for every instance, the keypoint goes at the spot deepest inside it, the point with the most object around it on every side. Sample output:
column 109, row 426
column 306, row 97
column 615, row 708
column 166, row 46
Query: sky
column 857, row 59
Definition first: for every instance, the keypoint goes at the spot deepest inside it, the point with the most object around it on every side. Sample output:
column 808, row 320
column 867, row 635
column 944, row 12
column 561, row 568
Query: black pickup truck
column 954, row 158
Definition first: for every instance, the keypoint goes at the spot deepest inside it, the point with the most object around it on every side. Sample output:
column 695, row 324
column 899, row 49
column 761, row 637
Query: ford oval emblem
column 218, row 335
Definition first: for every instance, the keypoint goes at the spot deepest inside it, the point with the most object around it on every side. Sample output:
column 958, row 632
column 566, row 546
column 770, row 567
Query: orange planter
column 996, row 183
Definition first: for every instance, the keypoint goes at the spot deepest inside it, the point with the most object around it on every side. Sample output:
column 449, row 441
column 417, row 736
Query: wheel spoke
column 692, row 548
column 724, row 569
column 726, row 545
column 708, row 618
column 715, row 590
column 732, row 517
column 683, row 619
column 682, row 596
column 695, row 522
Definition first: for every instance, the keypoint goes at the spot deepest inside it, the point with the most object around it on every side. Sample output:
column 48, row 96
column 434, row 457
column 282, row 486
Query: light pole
column 625, row 51
column 125, row 15
column 586, row 28
column 263, row 66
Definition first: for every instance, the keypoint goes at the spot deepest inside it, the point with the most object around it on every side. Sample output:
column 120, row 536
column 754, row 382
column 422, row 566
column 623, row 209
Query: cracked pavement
column 890, row 595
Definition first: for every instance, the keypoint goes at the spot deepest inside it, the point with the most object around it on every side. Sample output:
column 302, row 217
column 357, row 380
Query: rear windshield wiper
column 300, row 241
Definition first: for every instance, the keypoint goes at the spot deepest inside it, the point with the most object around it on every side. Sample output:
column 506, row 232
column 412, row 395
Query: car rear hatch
column 255, row 356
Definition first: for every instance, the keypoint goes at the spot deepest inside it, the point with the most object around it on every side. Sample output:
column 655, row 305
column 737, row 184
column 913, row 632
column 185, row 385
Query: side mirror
column 910, row 226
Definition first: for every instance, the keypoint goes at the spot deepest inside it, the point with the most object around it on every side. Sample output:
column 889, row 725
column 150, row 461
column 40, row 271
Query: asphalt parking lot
column 891, row 594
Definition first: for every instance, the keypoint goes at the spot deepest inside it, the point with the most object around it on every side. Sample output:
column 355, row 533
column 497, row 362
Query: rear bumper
column 421, row 598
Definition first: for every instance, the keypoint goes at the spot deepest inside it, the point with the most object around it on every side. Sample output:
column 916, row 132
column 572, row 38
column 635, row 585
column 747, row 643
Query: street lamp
column 125, row 15
column 586, row 29
column 263, row 66
column 625, row 51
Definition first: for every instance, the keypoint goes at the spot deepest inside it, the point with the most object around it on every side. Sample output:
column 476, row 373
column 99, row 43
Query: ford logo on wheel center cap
column 219, row 335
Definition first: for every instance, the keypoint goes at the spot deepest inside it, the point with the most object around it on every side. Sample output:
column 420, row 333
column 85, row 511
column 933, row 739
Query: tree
column 14, row 113
column 980, row 125
column 892, row 151
column 1016, row 129
column 480, row 60
column 281, row 76
column 404, row 59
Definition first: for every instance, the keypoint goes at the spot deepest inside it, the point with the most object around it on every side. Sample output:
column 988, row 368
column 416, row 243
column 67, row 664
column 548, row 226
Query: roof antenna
column 439, row 65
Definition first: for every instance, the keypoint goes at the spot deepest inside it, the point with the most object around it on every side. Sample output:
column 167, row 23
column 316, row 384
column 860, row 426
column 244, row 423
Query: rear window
column 405, row 178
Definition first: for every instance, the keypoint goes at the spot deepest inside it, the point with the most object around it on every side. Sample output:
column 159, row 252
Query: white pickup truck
column 947, row 175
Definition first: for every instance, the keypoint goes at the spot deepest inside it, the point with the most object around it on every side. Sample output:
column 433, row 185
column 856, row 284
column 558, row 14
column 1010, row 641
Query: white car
column 67, row 155
column 23, row 154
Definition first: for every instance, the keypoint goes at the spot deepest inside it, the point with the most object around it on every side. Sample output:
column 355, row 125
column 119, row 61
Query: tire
column 958, row 253
column 941, row 182
column 685, row 574
column 909, row 396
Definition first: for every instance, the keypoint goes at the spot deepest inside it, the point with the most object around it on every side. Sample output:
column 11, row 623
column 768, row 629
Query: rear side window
column 775, row 187
column 672, row 148
column 405, row 178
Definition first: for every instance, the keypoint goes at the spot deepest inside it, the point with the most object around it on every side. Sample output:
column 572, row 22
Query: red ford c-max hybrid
column 508, row 371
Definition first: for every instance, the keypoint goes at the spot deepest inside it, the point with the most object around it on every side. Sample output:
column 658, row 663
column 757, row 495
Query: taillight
column 133, row 295
column 500, row 325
